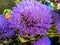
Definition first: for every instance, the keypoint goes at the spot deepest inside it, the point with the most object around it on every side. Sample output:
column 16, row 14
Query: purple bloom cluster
column 31, row 17
column 6, row 28
column 42, row 41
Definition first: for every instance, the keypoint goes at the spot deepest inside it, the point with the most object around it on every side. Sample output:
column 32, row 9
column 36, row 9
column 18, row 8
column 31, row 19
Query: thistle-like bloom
column 6, row 28
column 42, row 41
column 31, row 17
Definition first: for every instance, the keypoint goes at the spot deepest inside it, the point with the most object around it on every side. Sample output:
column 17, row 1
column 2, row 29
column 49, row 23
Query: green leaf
column 16, row 1
column 6, row 11
column 23, row 40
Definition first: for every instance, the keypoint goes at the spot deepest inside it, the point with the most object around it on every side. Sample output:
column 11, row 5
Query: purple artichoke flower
column 31, row 17
column 42, row 41
column 7, row 30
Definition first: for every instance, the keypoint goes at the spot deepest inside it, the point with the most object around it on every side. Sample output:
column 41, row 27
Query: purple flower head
column 31, row 17
column 2, row 20
column 6, row 29
column 42, row 41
